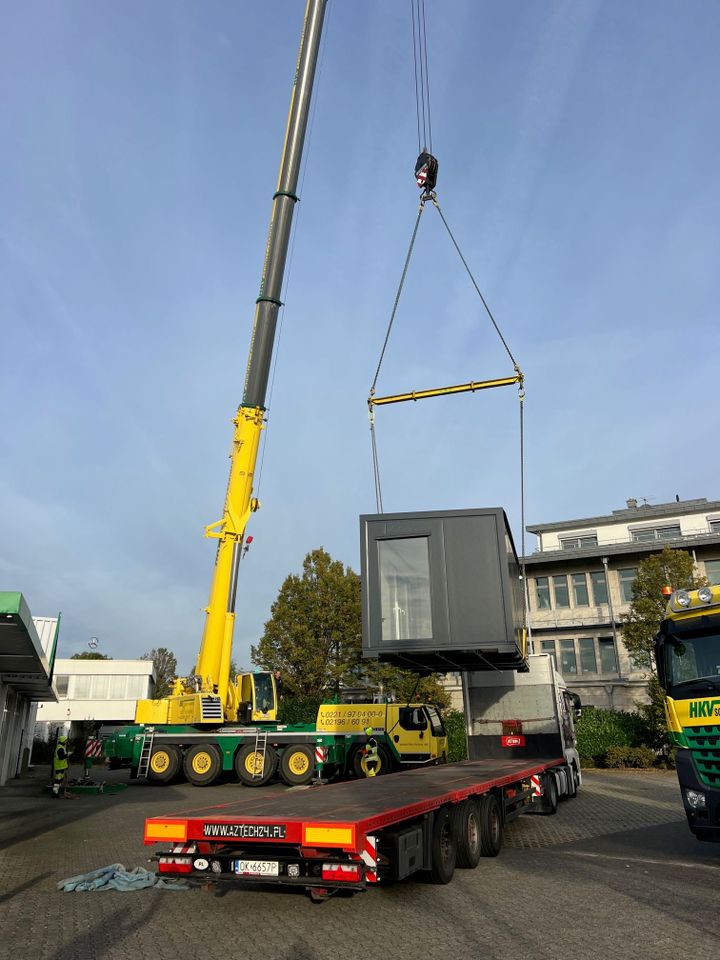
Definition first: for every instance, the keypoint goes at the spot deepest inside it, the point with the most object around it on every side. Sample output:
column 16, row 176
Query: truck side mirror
column 577, row 705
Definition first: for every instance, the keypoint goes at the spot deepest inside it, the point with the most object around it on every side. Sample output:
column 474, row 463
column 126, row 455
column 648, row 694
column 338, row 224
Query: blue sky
column 578, row 146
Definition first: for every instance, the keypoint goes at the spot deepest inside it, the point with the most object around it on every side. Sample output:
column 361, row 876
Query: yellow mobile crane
column 209, row 696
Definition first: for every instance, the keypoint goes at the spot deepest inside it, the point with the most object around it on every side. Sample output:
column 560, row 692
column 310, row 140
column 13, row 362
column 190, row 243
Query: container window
column 406, row 607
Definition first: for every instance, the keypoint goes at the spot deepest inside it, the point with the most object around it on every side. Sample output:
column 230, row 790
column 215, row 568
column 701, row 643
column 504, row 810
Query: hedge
column 600, row 730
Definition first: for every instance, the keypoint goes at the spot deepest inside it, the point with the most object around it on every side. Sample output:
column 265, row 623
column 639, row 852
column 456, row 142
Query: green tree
column 314, row 637
column 91, row 655
column 165, row 669
column 314, row 632
column 673, row 568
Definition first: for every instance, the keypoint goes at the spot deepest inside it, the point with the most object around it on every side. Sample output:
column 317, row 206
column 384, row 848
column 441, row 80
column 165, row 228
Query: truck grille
column 211, row 708
column 704, row 744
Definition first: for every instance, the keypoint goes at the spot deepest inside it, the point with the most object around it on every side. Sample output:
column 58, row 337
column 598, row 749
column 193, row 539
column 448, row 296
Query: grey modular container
column 441, row 591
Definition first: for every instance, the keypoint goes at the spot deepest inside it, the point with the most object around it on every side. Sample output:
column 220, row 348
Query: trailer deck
column 341, row 815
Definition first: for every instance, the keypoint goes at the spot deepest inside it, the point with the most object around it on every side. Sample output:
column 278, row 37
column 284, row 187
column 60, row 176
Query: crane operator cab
column 258, row 699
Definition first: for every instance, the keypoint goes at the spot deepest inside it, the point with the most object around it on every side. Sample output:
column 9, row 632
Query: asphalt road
column 615, row 874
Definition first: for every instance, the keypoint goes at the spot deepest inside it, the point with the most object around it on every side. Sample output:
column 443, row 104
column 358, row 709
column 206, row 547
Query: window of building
column 714, row 526
column 548, row 646
column 646, row 534
column 136, row 687
column 580, row 590
column 608, row 656
column 81, row 688
column 712, row 570
column 560, row 587
column 568, row 660
column 588, row 661
column 599, row 587
column 100, row 687
column 627, row 579
column 542, row 593
column 61, row 685
column 117, row 688
column 577, row 543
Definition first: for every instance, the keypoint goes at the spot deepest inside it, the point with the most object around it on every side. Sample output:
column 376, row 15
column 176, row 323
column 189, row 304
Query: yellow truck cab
column 687, row 653
column 407, row 734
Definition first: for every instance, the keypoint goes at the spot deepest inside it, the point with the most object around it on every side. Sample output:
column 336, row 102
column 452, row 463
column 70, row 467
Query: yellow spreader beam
column 446, row 391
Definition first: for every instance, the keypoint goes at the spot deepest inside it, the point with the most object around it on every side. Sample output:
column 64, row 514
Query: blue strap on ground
column 116, row 877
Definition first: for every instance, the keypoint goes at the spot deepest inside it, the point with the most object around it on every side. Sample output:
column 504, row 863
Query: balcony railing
column 684, row 537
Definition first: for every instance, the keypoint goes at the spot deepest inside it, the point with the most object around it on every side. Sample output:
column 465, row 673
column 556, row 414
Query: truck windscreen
column 264, row 695
column 692, row 662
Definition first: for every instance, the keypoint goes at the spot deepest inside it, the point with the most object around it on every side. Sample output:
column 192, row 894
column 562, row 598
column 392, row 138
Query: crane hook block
column 426, row 171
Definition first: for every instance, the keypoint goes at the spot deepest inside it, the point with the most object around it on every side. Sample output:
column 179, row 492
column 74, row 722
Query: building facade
column 97, row 691
column 27, row 654
column 579, row 583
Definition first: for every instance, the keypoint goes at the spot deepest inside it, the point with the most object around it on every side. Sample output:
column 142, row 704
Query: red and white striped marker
column 535, row 783
column 368, row 855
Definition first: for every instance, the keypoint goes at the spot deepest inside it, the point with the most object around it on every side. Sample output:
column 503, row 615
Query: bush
column 600, row 730
column 638, row 757
column 457, row 742
column 299, row 709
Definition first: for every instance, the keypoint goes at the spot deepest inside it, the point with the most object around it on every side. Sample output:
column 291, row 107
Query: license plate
column 257, row 868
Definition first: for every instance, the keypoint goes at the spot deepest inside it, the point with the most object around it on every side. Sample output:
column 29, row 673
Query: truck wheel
column 254, row 767
column 443, row 849
column 164, row 764
column 384, row 764
column 202, row 764
column 573, row 781
column 491, row 826
column 549, row 801
column 297, row 765
column 466, row 828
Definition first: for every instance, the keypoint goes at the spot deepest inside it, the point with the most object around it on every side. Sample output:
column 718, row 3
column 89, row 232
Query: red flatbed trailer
column 353, row 834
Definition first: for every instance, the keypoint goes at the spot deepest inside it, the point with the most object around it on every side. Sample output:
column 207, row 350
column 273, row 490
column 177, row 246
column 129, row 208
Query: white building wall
column 102, row 690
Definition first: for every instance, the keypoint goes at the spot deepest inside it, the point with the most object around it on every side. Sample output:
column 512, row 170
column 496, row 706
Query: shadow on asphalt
column 24, row 886
column 38, row 812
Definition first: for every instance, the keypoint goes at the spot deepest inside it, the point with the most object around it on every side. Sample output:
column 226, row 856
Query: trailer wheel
column 202, row 764
column 549, row 802
column 164, row 765
column 255, row 767
column 443, row 848
column 297, row 765
column 491, row 826
column 466, row 828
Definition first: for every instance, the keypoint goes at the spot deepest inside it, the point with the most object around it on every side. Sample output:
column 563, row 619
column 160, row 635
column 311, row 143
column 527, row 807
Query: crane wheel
column 256, row 767
column 202, row 764
column 384, row 764
column 297, row 765
column 165, row 763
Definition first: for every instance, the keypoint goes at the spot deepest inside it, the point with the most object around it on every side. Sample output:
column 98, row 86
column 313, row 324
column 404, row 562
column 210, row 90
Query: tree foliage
column 673, row 568
column 314, row 637
column 165, row 669
column 90, row 655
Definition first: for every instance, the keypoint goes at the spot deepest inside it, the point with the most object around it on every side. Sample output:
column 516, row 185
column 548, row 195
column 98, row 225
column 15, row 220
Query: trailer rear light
column 349, row 872
column 175, row 865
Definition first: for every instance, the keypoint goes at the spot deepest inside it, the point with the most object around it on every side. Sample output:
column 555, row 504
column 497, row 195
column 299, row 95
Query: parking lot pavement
column 614, row 874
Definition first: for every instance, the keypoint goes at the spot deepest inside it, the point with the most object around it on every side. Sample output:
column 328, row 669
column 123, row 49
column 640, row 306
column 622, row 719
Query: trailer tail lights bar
column 349, row 872
column 178, row 864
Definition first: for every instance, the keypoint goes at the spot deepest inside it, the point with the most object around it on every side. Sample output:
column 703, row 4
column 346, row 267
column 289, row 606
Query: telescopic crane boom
column 210, row 696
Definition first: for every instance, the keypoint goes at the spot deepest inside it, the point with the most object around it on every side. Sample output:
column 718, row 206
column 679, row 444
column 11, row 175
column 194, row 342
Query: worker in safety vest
column 371, row 756
column 60, row 767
